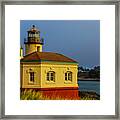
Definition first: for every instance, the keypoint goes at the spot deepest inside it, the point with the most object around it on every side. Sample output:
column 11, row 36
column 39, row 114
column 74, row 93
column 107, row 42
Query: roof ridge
column 47, row 52
column 37, row 54
column 48, row 56
column 28, row 54
column 66, row 56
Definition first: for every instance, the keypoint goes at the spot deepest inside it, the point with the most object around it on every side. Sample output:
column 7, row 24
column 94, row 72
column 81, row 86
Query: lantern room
column 33, row 36
column 33, row 42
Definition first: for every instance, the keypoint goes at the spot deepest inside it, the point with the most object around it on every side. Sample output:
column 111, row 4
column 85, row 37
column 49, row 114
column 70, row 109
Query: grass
column 89, row 95
column 38, row 95
column 30, row 95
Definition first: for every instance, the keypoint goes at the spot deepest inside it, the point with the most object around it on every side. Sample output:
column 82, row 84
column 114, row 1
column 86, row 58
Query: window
column 65, row 76
column 51, row 76
column 68, row 76
column 30, row 35
column 36, row 34
column 31, row 76
column 33, row 34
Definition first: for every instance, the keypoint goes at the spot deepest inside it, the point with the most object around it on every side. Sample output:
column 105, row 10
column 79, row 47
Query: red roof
column 47, row 56
column 33, row 29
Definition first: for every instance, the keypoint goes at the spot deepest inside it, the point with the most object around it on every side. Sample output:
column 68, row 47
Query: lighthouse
column 33, row 42
column 52, row 74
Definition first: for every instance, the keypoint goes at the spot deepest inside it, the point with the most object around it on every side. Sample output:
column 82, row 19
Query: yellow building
column 52, row 73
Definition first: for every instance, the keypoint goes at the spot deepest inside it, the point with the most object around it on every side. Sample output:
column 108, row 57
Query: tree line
column 89, row 72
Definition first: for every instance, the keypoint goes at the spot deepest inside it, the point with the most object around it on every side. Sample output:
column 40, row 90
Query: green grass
column 30, row 95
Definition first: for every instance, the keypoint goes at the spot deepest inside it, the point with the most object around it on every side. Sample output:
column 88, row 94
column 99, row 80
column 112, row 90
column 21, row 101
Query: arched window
column 68, row 76
column 31, row 76
column 51, row 76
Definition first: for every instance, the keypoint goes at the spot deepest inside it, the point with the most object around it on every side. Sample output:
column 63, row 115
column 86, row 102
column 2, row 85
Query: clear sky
column 77, row 39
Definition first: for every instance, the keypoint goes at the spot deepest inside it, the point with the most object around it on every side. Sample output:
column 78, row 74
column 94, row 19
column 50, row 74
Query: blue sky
column 77, row 39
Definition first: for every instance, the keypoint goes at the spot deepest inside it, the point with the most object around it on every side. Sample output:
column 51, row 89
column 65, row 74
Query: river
column 89, row 85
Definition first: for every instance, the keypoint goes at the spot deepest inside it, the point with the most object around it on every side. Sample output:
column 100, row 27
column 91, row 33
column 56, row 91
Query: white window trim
column 68, row 81
column 48, row 77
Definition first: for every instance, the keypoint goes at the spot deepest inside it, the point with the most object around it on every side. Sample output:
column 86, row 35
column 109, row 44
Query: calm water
column 89, row 86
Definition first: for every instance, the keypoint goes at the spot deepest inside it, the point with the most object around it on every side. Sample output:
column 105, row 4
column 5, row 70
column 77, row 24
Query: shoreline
column 88, row 79
column 84, row 95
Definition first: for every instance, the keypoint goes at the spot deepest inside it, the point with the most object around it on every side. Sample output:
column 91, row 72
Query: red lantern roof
column 33, row 29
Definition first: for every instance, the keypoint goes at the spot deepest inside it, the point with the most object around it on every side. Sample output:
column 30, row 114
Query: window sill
column 31, row 83
column 50, row 82
column 68, row 82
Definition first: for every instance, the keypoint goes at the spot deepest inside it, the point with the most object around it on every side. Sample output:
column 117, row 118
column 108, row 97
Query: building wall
column 59, row 70
column 25, row 75
column 41, row 75
column 29, row 48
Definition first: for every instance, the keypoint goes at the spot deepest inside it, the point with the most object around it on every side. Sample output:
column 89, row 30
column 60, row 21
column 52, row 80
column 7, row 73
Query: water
column 91, row 85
